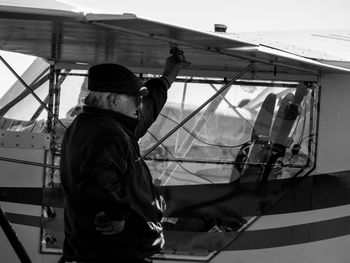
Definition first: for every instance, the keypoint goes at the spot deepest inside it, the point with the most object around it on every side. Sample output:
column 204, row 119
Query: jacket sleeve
column 103, row 174
column 152, row 105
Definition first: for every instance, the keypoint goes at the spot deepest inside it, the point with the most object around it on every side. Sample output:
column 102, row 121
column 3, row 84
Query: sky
column 239, row 16
column 247, row 15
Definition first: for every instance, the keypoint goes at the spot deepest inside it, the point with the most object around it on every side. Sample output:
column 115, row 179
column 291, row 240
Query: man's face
column 127, row 104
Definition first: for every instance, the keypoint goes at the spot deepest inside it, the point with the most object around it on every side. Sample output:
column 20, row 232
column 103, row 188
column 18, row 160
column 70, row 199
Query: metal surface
column 27, row 140
column 136, row 43
column 269, row 83
column 205, row 161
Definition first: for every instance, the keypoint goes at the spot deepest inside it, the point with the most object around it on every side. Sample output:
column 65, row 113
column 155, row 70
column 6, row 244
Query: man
column 112, row 209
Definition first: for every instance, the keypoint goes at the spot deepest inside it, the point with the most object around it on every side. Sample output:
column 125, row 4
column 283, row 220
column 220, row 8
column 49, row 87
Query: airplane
column 250, row 151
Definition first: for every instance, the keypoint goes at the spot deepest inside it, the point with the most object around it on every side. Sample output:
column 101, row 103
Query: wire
column 202, row 141
column 205, row 179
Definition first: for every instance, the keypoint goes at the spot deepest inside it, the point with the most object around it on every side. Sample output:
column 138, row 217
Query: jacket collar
column 127, row 122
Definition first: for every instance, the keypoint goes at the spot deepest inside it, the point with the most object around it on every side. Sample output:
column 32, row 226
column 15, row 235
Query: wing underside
column 77, row 39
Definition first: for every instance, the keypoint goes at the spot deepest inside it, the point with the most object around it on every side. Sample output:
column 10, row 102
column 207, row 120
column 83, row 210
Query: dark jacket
column 101, row 170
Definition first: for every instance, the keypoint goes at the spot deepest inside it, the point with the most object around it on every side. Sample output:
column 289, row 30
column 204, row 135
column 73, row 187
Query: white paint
column 333, row 146
column 335, row 250
column 306, row 217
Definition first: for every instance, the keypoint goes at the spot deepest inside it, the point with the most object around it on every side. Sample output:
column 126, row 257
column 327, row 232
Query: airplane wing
column 70, row 40
column 322, row 45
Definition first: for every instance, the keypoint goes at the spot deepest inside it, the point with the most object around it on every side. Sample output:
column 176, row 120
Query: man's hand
column 173, row 65
column 107, row 226
column 161, row 204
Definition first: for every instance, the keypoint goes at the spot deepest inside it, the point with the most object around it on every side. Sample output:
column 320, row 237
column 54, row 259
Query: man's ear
column 111, row 100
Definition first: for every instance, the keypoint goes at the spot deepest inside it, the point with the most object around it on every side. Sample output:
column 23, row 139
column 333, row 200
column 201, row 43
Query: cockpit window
column 252, row 132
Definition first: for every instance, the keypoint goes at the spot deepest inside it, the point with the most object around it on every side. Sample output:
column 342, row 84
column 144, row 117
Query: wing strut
column 13, row 238
column 33, row 93
column 40, row 80
column 225, row 87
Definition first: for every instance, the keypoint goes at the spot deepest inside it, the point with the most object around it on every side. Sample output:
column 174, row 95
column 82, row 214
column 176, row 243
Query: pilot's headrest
column 115, row 78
